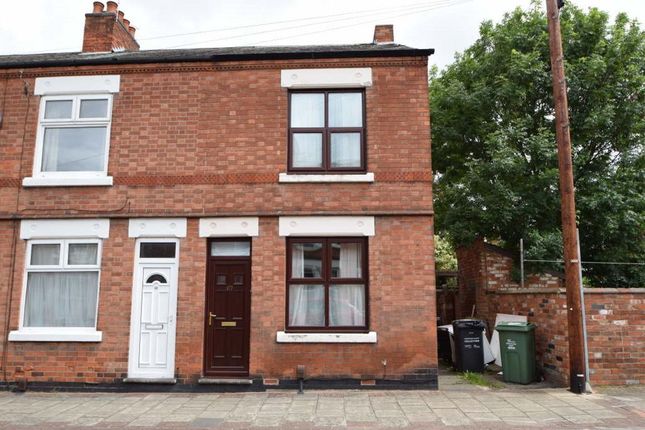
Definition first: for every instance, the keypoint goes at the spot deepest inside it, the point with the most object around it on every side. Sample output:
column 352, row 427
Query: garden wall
column 615, row 317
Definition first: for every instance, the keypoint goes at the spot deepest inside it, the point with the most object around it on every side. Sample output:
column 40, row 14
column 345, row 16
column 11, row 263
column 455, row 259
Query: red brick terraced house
column 215, row 217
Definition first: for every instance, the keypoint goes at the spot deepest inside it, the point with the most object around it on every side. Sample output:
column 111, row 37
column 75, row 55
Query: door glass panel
column 45, row 254
column 307, row 150
column 156, row 278
column 58, row 109
column 221, row 279
column 238, row 279
column 157, row 250
column 346, row 150
column 82, row 253
column 308, row 110
column 345, row 110
column 306, row 305
column 94, row 108
column 231, row 249
column 306, row 260
column 346, row 260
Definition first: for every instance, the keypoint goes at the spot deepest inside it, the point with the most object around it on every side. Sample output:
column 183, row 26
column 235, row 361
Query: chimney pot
column 121, row 16
column 98, row 7
column 132, row 30
column 112, row 6
column 383, row 34
column 126, row 23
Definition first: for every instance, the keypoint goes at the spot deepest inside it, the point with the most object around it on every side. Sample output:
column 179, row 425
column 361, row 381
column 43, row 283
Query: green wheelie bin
column 517, row 348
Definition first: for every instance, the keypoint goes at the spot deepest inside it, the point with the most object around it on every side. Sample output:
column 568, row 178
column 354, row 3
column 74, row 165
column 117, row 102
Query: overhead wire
column 310, row 18
column 456, row 2
column 408, row 10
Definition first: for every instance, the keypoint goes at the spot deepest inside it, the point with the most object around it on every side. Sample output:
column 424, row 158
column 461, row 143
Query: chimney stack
column 108, row 30
column 383, row 34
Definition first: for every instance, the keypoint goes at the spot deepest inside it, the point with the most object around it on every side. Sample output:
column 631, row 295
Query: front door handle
column 210, row 318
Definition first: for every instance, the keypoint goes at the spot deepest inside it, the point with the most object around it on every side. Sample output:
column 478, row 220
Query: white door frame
column 134, row 371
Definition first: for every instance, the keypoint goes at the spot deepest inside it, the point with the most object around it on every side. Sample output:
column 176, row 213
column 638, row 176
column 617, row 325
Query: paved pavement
column 456, row 405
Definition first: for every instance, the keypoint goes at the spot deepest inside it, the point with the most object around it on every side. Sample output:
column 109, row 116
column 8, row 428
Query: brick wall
column 615, row 318
column 209, row 139
column 213, row 141
column 400, row 285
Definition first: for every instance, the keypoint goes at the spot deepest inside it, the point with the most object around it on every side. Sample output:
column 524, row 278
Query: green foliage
column 494, row 145
column 479, row 379
column 445, row 257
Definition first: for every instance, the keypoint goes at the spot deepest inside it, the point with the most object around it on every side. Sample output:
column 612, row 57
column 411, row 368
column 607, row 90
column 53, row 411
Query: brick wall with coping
column 615, row 317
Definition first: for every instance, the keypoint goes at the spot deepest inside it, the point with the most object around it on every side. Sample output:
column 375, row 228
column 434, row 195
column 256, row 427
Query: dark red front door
column 228, row 308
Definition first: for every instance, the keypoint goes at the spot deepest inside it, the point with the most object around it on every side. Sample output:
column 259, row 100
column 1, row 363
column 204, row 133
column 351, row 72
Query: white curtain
column 307, row 110
column 51, row 149
column 306, row 305
column 307, row 150
column 61, row 299
column 350, row 260
column 346, row 149
column 347, row 305
column 82, row 253
column 45, row 254
column 345, row 110
column 298, row 260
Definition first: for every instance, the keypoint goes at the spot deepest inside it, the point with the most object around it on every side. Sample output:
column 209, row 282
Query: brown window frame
column 326, row 280
column 326, row 132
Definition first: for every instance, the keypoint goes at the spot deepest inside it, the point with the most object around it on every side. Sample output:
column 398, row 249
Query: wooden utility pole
column 568, row 204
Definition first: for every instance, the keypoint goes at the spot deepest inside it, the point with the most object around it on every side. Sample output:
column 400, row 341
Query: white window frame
column 59, row 334
column 74, row 122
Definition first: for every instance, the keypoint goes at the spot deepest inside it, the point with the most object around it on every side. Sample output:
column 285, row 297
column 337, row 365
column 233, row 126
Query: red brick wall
column 213, row 141
column 401, row 284
column 204, row 139
column 615, row 318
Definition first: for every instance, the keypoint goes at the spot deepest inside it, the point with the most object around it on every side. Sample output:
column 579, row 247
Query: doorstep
column 224, row 381
column 150, row 381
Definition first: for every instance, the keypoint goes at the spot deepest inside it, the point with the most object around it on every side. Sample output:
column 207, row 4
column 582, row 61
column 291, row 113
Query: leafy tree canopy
column 494, row 148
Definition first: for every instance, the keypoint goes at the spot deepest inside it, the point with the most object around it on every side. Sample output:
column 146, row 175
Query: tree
column 494, row 146
column 445, row 257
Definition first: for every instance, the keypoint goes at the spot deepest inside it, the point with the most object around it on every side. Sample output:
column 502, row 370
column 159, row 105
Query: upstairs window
column 327, row 131
column 73, row 136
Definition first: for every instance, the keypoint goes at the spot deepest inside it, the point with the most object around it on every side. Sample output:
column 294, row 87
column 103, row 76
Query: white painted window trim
column 59, row 334
column 284, row 337
column 157, row 227
column 75, row 89
column 55, row 335
column 326, row 226
column 77, row 85
column 229, row 227
column 65, row 228
column 99, row 181
column 350, row 77
column 295, row 178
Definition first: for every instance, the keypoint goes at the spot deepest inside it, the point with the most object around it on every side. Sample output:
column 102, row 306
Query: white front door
column 154, row 304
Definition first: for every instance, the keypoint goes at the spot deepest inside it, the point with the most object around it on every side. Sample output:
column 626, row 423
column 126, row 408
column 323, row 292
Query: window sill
column 283, row 337
column 302, row 178
column 53, row 335
column 100, row 181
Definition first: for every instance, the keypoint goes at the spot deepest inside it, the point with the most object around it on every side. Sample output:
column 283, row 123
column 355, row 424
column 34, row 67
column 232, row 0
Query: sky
column 448, row 26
